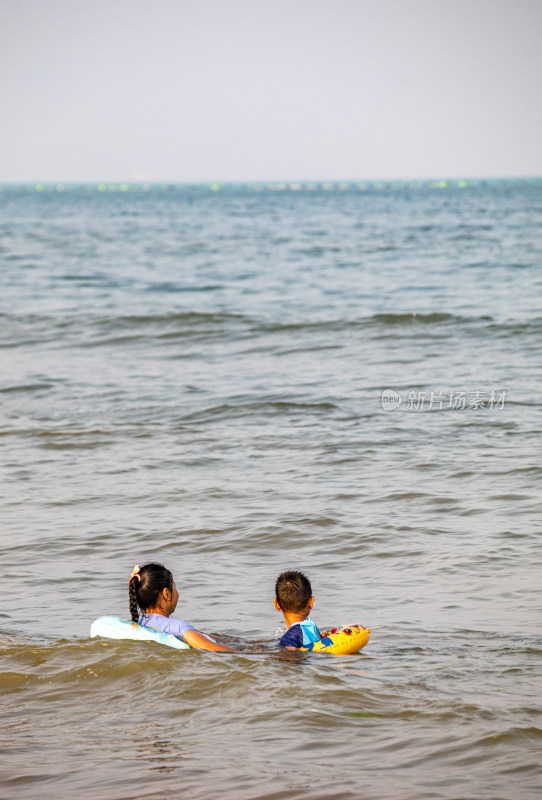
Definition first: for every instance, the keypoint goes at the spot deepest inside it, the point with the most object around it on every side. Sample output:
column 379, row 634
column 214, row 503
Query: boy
column 293, row 596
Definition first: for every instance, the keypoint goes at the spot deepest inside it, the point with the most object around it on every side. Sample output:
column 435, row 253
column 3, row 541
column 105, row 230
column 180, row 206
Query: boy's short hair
column 293, row 591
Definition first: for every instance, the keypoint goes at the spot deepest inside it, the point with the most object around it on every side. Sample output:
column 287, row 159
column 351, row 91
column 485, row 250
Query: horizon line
column 276, row 185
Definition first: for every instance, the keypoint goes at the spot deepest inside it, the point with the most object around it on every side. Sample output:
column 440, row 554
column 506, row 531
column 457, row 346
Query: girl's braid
column 132, row 595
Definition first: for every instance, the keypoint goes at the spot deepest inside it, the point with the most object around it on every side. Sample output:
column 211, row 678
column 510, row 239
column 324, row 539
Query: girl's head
column 152, row 587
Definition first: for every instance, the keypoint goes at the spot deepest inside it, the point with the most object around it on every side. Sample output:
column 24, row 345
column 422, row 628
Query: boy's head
column 293, row 593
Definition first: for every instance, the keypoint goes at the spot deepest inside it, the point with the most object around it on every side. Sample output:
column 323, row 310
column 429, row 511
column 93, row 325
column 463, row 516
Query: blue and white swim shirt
column 300, row 634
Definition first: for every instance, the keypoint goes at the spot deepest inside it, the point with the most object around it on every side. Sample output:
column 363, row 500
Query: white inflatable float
column 117, row 628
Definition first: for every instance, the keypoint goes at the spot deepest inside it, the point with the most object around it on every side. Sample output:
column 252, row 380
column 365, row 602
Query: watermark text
column 490, row 400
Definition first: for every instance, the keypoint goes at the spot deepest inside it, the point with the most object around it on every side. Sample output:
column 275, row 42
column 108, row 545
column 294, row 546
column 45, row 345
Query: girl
column 153, row 589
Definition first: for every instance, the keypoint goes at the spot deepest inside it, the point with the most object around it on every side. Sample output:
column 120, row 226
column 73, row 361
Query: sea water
column 237, row 382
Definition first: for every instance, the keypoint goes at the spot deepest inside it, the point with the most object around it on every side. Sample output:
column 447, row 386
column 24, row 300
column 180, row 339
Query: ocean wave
column 19, row 330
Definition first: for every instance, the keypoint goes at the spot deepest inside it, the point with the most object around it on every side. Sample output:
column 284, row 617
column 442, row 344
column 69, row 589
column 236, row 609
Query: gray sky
column 216, row 90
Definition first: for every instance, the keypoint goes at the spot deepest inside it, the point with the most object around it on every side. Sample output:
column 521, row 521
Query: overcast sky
column 217, row 90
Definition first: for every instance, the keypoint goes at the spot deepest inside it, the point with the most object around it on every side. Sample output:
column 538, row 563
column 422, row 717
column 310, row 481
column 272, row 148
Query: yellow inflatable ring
column 341, row 641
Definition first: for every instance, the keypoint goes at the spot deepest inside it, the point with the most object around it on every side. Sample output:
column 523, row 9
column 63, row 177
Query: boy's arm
column 293, row 638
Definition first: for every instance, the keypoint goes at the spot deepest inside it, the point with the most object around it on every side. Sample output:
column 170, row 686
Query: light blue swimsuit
column 175, row 627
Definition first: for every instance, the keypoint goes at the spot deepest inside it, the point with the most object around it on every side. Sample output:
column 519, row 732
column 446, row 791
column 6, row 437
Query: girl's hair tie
column 135, row 573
